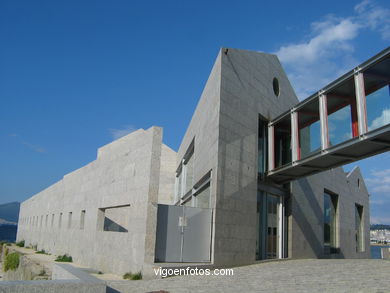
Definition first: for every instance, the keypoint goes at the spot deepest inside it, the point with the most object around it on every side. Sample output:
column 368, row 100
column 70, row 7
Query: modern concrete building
column 220, row 200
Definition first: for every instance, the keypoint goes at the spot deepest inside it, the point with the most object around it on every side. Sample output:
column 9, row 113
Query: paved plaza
column 317, row 275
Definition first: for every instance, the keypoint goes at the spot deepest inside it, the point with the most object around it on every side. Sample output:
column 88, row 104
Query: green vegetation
column 20, row 243
column 41, row 252
column 131, row 276
column 64, row 258
column 11, row 262
column 100, row 273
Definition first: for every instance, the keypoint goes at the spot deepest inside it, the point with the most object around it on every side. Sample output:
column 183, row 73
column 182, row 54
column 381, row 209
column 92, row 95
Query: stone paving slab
column 317, row 275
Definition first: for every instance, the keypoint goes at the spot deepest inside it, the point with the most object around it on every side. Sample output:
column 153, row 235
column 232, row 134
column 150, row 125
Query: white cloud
column 328, row 52
column 381, row 120
column 34, row 147
column 118, row 133
column 379, row 182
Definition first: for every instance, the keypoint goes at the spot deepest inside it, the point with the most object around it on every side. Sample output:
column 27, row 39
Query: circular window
column 275, row 85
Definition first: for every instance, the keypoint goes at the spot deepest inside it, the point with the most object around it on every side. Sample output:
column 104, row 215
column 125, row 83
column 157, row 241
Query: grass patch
column 11, row 262
column 131, row 276
column 64, row 258
column 20, row 243
column 41, row 252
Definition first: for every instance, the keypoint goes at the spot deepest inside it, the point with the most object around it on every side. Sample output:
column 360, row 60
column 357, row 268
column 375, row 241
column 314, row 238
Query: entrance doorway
column 270, row 228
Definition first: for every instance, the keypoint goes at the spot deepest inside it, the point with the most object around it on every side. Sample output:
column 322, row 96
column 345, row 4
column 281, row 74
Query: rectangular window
column 330, row 223
column 202, row 196
column 309, row 129
column 377, row 90
column 262, row 148
column 70, row 220
column 46, row 220
column 282, row 141
column 189, row 171
column 359, row 228
column 178, row 184
column 114, row 219
column 52, row 220
column 82, row 220
column 342, row 113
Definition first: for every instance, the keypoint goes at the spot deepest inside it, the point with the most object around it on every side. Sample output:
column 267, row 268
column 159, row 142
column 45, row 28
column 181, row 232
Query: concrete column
column 324, row 121
column 295, row 137
column 271, row 148
column 360, row 101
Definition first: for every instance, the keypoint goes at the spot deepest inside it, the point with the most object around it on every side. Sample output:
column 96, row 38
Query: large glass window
column 359, row 228
column 262, row 148
column 309, row 129
column 377, row 90
column 330, row 223
column 342, row 113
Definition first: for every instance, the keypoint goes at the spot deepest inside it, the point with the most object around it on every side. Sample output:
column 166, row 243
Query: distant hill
column 380, row 227
column 9, row 212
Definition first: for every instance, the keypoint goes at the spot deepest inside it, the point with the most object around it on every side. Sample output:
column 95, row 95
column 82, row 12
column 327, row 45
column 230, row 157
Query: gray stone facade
column 122, row 187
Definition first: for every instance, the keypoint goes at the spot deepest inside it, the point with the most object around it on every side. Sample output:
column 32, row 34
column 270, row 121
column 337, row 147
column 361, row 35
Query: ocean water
column 8, row 233
column 376, row 251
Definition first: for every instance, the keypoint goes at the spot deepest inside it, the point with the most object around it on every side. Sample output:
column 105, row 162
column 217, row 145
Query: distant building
column 141, row 205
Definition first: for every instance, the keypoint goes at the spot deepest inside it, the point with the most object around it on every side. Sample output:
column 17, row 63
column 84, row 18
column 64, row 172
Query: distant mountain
column 380, row 227
column 9, row 212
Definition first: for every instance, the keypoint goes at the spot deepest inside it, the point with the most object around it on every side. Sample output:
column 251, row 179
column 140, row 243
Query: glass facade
column 269, row 230
column 330, row 223
column 377, row 91
column 309, row 129
column 342, row 113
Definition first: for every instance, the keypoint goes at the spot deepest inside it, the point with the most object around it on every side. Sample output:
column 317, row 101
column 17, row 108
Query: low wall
column 385, row 252
column 66, row 278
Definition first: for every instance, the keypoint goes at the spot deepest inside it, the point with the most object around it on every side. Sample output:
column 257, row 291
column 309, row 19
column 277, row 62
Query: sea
column 376, row 251
column 8, row 233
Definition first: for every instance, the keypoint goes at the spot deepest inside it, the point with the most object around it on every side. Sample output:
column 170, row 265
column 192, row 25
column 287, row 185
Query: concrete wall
column 307, row 209
column 125, row 173
column 246, row 92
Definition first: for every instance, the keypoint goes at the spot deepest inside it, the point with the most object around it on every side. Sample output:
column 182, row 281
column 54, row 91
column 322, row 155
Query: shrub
column 131, row 276
column 20, row 243
column 64, row 258
column 6, row 250
column 41, row 252
column 11, row 262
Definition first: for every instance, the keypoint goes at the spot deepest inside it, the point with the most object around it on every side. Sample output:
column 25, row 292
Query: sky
column 75, row 75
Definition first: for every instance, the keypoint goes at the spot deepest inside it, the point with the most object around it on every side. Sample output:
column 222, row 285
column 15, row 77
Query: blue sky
column 74, row 75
